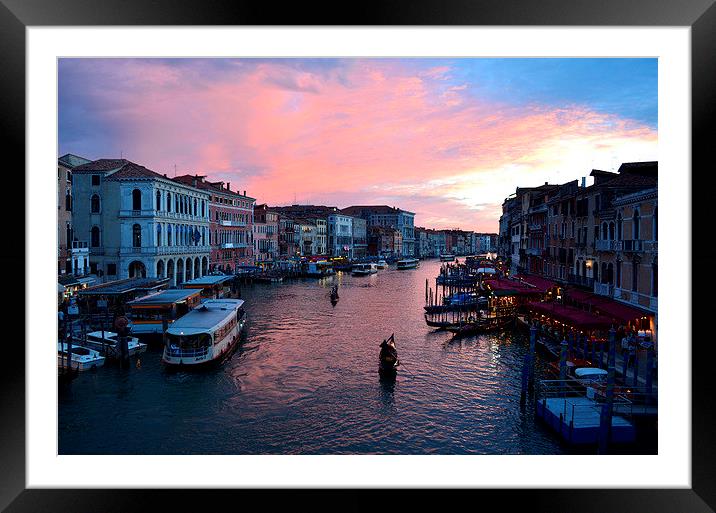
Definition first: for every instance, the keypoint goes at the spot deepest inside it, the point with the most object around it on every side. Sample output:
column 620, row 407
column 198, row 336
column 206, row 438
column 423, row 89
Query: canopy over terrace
column 618, row 312
column 570, row 316
column 507, row 287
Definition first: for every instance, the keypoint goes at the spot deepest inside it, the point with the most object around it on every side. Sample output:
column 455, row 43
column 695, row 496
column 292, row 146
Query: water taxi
column 382, row 264
column 107, row 344
column 447, row 257
column 408, row 263
column 364, row 269
column 148, row 314
column 207, row 334
column 83, row 358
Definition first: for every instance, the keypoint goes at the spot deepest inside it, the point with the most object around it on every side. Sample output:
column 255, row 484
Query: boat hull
column 214, row 356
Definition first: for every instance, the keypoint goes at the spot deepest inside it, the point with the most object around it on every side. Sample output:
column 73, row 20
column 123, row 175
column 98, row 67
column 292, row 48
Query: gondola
column 479, row 326
column 388, row 357
column 334, row 294
column 439, row 324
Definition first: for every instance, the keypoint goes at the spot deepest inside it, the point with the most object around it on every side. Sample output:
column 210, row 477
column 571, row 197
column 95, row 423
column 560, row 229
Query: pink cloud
column 375, row 132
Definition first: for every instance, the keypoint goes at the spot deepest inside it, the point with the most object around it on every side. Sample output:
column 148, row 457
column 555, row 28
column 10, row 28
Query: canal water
column 305, row 381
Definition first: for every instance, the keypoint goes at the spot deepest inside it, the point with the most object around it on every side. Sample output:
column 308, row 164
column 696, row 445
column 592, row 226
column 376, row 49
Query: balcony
column 232, row 223
column 231, row 245
column 604, row 289
column 632, row 246
column 164, row 250
column 583, row 281
column 607, row 245
column 637, row 299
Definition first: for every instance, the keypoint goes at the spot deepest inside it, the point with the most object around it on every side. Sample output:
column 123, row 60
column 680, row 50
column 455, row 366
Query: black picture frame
column 700, row 15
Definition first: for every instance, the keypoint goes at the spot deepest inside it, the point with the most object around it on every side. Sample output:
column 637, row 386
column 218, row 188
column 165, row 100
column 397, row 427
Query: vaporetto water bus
column 364, row 269
column 408, row 263
column 207, row 334
column 149, row 313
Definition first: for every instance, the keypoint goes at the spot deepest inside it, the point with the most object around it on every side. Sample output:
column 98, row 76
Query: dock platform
column 576, row 419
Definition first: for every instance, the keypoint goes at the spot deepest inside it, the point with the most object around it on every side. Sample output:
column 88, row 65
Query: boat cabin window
column 189, row 341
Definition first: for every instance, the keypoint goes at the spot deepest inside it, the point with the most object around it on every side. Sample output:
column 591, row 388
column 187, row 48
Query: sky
column 447, row 139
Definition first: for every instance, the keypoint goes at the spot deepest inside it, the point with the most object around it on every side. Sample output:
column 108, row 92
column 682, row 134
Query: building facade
column 388, row 217
column 140, row 223
column 360, row 237
column 266, row 223
column 72, row 255
column 231, row 217
column 340, row 235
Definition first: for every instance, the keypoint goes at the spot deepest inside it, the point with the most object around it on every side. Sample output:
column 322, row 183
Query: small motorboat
column 382, row 264
column 82, row 358
column 388, row 358
column 107, row 344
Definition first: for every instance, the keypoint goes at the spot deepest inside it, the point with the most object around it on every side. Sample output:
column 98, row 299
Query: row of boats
column 205, row 335
column 369, row 268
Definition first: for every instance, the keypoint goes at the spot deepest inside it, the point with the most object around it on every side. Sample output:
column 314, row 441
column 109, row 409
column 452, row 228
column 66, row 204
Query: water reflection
column 305, row 380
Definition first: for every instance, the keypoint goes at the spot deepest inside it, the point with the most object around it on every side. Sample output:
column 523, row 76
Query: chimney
column 244, row 193
column 546, row 183
column 194, row 182
column 584, row 181
column 228, row 186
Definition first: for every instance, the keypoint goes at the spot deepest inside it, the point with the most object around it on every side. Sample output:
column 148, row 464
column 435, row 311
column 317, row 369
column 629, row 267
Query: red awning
column 571, row 316
column 540, row 283
column 517, row 287
column 606, row 306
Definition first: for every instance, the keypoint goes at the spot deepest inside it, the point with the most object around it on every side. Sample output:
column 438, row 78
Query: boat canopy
column 209, row 316
column 584, row 372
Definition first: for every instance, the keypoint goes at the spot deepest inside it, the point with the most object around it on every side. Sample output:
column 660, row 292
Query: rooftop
column 209, row 315
column 207, row 280
column 71, row 161
column 124, row 286
column 164, row 297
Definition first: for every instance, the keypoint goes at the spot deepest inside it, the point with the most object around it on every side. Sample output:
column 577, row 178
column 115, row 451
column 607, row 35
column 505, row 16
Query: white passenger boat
column 382, row 264
column 408, row 263
column 447, row 257
column 149, row 313
column 83, row 358
column 207, row 334
column 107, row 344
column 364, row 269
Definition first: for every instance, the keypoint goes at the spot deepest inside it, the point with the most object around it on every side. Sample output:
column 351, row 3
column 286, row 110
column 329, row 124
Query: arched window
column 194, row 207
column 619, row 226
column 159, row 201
column 610, row 274
column 94, row 237
column 611, row 231
column 94, row 204
column 176, row 204
column 604, row 272
column 203, row 208
column 169, row 201
column 136, row 236
column 635, row 228
column 69, row 234
column 604, row 231
column 136, row 199
column 619, row 274
column 159, row 234
column 169, row 235
column 68, row 201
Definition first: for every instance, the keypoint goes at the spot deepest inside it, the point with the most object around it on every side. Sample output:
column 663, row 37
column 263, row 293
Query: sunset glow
column 446, row 139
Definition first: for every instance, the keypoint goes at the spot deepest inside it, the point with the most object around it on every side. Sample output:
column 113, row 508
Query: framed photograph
column 416, row 248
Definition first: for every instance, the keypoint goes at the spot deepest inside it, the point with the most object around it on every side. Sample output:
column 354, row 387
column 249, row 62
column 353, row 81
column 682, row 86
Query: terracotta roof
column 132, row 170
column 101, row 165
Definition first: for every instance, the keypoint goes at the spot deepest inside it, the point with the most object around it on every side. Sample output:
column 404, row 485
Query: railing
column 77, row 244
column 584, row 281
column 604, row 289
column 233, row 223
column 176, row 352
column 636, row 298
column 632, row 245
column 229, row 245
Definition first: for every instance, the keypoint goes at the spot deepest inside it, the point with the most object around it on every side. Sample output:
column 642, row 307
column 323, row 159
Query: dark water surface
column 305, row 381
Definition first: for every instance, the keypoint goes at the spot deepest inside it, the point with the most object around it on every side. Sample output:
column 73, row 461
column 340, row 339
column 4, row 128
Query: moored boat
column 388, row 357
column 364, row 269
column 382, row 264
column 481, row 325
column 207, row 334
column 82, row 358
column 107, row 344
column 408, row 263
column 334, row 294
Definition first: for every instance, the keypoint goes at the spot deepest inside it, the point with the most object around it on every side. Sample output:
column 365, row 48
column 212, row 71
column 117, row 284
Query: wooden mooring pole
column 605, row 419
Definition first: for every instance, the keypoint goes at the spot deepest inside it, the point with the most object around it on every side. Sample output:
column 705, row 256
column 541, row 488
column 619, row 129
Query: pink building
column 231, row 221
